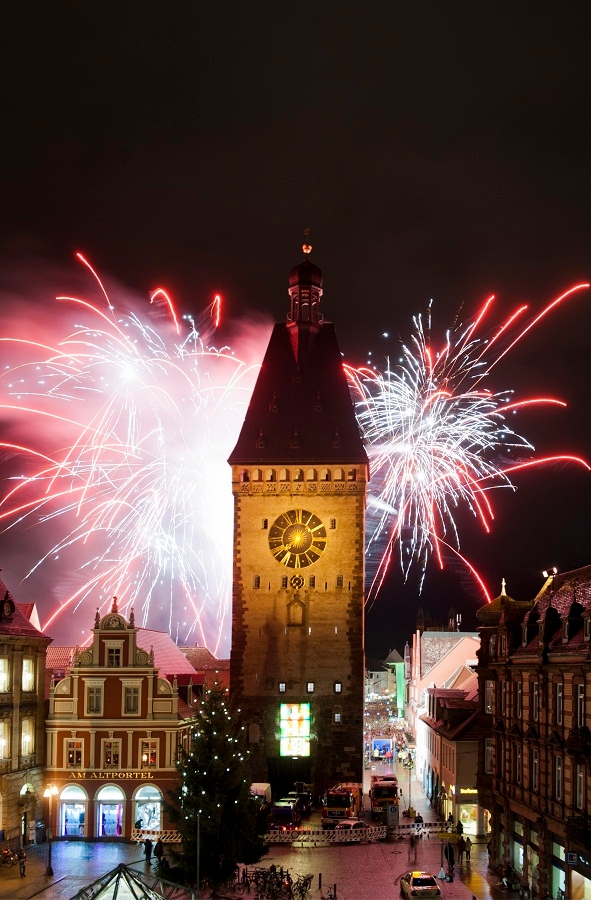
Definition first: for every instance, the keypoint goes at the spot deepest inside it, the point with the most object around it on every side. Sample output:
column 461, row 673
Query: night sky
column 435, row 150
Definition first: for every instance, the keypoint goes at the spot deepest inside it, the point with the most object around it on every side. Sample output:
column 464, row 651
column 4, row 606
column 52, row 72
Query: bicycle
column 8, row 857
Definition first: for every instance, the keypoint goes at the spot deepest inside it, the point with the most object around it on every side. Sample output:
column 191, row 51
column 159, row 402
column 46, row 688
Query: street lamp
column 49, row 792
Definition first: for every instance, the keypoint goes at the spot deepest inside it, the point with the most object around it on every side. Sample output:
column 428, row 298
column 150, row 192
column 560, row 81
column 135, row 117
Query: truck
column 284, row 815
column 343, row 801
column 302, row 793
column 383, row 793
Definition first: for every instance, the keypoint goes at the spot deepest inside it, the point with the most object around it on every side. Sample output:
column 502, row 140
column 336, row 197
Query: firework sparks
column 133, row 422
column 438, row 439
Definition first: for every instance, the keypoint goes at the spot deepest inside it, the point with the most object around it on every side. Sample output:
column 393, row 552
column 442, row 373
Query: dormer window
column 586, row 628
column 524, row 635
column 565, row 631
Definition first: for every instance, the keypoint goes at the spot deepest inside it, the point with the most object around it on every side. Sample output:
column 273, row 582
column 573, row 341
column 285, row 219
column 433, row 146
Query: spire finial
column 503, row 586
column 114, row 608
column 307, row 246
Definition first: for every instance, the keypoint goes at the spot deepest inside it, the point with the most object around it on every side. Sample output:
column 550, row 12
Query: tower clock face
column 297, row 538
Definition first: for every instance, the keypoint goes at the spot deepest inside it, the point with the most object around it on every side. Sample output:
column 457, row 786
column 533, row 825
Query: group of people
column 158, row 850
column 464, row 847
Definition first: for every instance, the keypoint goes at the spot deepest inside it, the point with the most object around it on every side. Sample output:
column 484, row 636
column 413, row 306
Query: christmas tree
column 218, row 820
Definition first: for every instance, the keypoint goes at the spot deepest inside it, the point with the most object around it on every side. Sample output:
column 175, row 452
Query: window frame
column 5, row 675
column 149, row 746
column 78, row 748
column 96, row 686
column 106, row 748
column 28, row 678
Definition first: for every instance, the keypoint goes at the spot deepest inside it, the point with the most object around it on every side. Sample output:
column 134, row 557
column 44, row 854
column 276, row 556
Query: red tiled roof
column 59, row 658
column 168, row 658
column 18, row 625
column 204, row 661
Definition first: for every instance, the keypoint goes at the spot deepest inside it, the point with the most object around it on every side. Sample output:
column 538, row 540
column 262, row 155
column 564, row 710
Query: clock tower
column 299, row 475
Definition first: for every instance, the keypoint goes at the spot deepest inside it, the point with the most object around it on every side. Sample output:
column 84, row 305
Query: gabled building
column 113, row 727
column 22, row 718
column 534, row 773
column 448, row 734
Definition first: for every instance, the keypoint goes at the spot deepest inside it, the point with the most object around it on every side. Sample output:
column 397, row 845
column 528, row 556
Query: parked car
column 357, row 828
column 419, row 884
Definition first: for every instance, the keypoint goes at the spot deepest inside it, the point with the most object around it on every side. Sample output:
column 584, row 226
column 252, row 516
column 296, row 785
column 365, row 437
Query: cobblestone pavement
column 360, row 871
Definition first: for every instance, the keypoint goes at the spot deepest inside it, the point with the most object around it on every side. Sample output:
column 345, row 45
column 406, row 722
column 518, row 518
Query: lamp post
column 49, row 792
column 408, row 763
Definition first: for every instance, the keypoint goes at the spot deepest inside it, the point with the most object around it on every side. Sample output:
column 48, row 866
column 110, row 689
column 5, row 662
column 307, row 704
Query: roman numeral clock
column 299, row 474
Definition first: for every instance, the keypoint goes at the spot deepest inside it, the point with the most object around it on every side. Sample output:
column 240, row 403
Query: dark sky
column 436, row 150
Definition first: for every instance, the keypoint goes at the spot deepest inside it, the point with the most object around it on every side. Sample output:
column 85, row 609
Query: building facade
column 535, row 753
column 299, row 474
column 22, row 719
column 112, row 733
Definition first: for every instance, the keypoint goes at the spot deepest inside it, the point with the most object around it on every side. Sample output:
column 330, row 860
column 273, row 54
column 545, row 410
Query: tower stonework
column 299, row 475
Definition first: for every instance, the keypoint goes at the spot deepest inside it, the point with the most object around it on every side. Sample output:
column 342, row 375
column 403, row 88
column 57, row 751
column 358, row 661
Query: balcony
column 578, row 830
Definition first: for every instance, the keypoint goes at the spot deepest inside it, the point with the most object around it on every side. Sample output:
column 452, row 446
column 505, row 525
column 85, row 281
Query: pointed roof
column 301, row 412
column 21, row 623
column 392, row 658
column 490, row 613
column 120, row 883
column 203, row 661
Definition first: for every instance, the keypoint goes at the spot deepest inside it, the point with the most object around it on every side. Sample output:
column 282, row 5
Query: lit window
column 337, row 718
column 4, row 676
column 338, row 687
column 111, row 754
column 310, row 687
column 28, row 674
column 149, row 755
column 281, row 687
column 27, row 737
column 74, row 754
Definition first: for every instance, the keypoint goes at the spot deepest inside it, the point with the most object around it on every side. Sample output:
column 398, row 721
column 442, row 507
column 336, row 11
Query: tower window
column 339, row 581
column 256, row 581
column 338, row 687
column 337, row 718
column 284, row 581
column 265, row 524
column 352, row 475
column 310, row 687
column 244, row 475
column 312, row 581
column 333, row 523
column 281, row 687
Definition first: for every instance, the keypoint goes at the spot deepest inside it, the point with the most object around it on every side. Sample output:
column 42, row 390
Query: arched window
column 148, row 808
column 311, row 475
column 109, row 807
column 71, row 820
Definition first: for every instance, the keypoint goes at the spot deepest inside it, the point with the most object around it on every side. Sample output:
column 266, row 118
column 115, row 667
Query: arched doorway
column 109, row 807
column 148, row 808
column 71, row 820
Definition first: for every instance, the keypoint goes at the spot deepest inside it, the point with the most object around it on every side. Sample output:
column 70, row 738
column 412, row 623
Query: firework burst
column 134, row 416
column 438, row 439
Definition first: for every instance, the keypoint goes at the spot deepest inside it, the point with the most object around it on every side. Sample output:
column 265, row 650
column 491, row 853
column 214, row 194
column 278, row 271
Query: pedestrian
column 412, row 849
column 468, row 848
column 459, row 828
column 148, row 850
column 159, row 850
column 461, row 845
column 22, row 861
column 450, row 857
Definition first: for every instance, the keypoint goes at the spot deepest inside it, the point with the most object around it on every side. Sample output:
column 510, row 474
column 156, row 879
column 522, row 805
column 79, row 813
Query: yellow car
column 419, row 884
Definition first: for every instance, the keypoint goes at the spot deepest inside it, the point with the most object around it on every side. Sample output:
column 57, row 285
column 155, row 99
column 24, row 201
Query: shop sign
column 572, row 858
column 110, row 775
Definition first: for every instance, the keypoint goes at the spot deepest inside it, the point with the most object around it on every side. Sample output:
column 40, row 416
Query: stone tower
column 299, row 475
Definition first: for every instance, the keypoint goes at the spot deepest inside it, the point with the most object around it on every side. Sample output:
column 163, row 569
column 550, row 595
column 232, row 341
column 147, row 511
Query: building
column 535, row 752
column 113, row 728
column 22, row 718
column 209, row 670
column 448, row 735
column 299, row 474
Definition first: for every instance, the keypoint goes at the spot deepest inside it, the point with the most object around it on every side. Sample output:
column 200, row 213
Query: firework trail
column 134, row 414
column 438, row 440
